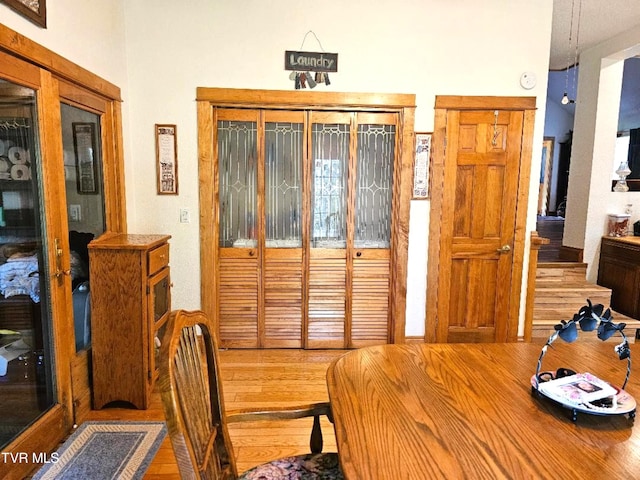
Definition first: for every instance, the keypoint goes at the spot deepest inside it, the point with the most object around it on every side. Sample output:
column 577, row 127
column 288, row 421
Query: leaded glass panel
column 283, row 179
column 237, row 180
column 374, row 182
column 330, row 156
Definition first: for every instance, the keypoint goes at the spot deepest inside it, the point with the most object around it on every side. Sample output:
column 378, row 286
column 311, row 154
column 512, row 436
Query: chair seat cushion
column 318, row 466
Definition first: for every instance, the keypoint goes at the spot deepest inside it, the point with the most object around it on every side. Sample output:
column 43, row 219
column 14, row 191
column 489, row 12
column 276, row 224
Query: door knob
column 504, row 249
column 58, row 252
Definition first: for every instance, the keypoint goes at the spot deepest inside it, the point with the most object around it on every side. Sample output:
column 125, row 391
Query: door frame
column 28, row 63
column 443, row 104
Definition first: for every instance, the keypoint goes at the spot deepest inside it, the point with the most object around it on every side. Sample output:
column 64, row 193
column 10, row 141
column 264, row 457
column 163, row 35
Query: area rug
column 105, row 451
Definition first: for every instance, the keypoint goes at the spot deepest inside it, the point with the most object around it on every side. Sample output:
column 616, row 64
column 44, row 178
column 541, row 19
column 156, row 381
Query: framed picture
column 34, row 10
column 421, row 166
column 166, row 160
column 84, row 145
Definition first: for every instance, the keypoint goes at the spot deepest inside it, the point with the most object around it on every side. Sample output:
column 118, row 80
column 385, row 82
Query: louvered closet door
column 284, row 153
column 371, row 267
column 238, row 268
column 327, row 270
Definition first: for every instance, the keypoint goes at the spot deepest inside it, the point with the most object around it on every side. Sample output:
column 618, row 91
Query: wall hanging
column 310, row 68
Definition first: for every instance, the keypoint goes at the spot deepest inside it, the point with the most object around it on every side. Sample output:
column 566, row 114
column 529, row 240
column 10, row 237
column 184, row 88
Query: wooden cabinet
column 130, row 304
column 304, row 239
column 619, row 270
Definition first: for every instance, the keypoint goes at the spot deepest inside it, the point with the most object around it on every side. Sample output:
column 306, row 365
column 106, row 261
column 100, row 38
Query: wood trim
column 18, row 71
column 42, row 436
column 49, row 121
column 457, row 102
column 82, row 98
column 402, row 192
column 207, row 149
column 526, row 151
column 28, row 50
column 438, row 154
column 536, row 242
column 238, row 97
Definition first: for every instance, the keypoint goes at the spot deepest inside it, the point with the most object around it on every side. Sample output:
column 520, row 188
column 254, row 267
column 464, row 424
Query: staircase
column 561, row 289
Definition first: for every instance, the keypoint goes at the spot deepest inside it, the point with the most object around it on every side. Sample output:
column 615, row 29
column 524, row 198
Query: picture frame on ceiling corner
column 166, row 159
column 421, row 165
column 34, row 10
column 84, row 145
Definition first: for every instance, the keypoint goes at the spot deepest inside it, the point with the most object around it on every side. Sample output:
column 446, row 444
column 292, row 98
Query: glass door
column 27, row 381
column 238, row 238
column 329, row 172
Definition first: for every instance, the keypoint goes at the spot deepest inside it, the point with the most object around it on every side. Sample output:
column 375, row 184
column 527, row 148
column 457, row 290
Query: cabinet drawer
column 158, row 258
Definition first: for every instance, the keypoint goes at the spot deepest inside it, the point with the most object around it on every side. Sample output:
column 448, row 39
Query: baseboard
column 571, row 254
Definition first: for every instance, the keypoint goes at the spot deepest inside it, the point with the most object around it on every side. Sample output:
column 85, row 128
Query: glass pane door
column 85, row 206
column 26, row 356
column 374, row 184
column 330, row 164
column 283, row 180
column 238, row 182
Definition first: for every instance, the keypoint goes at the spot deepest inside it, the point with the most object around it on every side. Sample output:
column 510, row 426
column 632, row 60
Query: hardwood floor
column 254, row 378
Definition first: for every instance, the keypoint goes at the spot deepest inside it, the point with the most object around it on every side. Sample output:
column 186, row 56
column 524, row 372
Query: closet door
column 283, row 274
column 371, row 252
column 328, row 300
column 238, row 267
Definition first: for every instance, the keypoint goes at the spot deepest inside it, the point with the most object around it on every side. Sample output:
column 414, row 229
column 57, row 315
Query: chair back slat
column 193, row 399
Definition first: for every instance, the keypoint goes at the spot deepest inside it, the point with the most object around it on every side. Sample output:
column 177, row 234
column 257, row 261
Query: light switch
column 185, row 215
column 75, row 213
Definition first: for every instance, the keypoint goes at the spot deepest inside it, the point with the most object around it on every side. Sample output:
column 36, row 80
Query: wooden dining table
column 449, row 411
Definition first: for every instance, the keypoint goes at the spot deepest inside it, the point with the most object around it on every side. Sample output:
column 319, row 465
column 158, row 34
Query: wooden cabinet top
column 628, row 240
column 128, row 241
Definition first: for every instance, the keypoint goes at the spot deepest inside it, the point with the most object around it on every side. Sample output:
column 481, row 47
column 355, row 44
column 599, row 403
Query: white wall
column 590, row 198
column 426, row 47
column 90, row 34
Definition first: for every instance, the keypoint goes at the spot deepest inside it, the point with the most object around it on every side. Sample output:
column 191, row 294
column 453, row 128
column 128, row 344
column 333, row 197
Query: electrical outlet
column 75, row 213
column 185, row 215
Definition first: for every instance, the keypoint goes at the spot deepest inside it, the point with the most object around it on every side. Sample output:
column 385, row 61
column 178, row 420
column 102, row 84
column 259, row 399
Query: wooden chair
column 194, row 408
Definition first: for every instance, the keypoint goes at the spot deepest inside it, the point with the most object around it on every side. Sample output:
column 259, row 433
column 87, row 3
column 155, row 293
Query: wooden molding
column 457, row 102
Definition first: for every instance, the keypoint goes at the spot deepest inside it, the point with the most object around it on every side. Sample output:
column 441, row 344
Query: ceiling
column 600, row 20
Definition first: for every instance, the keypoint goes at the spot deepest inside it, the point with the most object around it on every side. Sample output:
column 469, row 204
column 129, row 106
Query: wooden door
column 237, row 237
column 282, row 219
column 481, row 206
column 371, row 201
column 330, row 227
column 309, row 281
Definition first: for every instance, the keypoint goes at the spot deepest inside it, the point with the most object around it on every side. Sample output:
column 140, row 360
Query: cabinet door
column 283, row 312
column 371, row 267
column 238, row 269
column 329, row 220
column 158, row 308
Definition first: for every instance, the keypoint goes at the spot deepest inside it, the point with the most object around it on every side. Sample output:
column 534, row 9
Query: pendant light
column 565, row 97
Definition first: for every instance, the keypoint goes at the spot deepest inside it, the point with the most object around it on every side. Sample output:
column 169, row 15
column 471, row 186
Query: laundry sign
column 310, row 61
